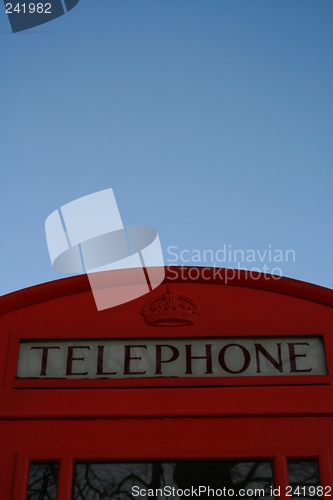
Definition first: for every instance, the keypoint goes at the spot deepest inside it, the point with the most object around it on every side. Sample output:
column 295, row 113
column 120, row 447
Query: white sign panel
column 213, row 357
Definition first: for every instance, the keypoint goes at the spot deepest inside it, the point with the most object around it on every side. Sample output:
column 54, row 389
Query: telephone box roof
column 213, row 276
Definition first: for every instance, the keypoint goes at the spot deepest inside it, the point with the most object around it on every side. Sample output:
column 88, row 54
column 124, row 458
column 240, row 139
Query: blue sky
column 211, row 120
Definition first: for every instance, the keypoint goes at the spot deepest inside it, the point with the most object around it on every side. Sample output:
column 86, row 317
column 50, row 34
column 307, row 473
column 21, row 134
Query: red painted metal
column 146, row 419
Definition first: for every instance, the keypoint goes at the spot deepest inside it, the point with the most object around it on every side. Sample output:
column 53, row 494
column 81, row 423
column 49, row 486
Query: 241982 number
column 311, row 491
column 39, row 8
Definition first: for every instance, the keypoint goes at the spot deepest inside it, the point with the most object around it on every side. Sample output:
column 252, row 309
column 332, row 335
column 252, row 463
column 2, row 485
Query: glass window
column 304, row 479
column 43, row 481
column 171, row 480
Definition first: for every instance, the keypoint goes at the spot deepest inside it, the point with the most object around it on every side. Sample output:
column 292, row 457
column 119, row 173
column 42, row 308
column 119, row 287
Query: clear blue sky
column 211, row 120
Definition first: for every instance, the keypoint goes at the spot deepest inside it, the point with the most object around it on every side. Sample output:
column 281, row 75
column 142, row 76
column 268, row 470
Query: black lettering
column 247, row 358
column 44, row 358
column 100, row 360
column 70, row 359
column 159, row 361
column 128, row 358
column 262, row 350
column 208, row 358
column 293, row 356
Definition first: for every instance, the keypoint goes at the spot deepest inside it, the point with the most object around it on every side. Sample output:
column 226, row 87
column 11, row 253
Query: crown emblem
column 170, row 309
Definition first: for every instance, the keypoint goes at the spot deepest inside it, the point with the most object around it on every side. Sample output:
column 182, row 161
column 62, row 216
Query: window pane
column 126, row 481
column 304, row 479
column 43, row 481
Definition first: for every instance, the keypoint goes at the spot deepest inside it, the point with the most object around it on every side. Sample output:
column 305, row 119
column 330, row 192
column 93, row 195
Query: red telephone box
column 218, row 383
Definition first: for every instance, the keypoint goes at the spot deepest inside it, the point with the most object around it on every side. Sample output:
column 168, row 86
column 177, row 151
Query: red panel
column 169, row 440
